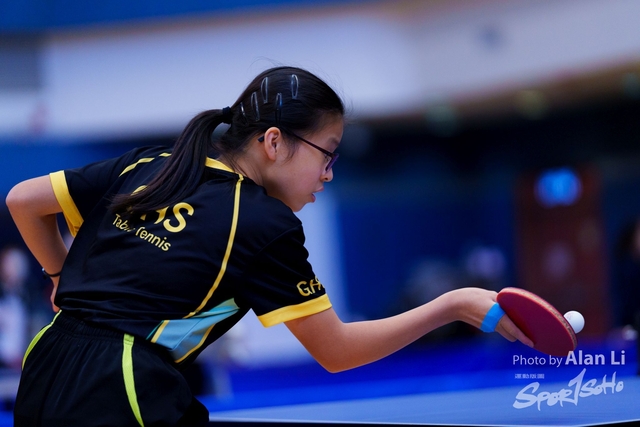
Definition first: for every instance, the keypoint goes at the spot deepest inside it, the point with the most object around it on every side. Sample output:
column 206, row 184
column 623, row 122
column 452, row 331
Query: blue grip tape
column 492, row 318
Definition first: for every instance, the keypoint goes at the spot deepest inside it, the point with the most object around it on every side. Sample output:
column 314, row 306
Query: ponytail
column 290, row 98
column 181, row 173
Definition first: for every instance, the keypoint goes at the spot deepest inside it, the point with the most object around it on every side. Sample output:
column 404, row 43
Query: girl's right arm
column 339, row 346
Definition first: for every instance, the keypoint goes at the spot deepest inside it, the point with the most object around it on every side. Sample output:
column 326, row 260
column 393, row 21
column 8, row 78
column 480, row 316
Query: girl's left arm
column 33, row 207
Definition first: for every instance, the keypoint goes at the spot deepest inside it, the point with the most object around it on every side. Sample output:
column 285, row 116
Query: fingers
column 492, row 318
column 511, row 332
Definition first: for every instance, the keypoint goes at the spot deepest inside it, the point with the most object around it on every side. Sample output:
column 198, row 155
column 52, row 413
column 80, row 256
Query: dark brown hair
column 290, row 98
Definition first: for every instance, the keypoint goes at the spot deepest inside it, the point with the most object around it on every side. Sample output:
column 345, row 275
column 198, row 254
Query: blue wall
column 43, row 15
column 386, row 236
column 22, row 159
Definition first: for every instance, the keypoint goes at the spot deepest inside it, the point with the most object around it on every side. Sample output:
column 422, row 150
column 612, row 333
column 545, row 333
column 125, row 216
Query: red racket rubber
column 550, row 332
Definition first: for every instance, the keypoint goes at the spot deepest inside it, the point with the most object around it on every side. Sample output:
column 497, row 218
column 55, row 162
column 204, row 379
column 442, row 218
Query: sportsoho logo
column 577, row 388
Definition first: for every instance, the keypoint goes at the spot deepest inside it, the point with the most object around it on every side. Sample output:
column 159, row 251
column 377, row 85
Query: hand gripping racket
column 550, row 332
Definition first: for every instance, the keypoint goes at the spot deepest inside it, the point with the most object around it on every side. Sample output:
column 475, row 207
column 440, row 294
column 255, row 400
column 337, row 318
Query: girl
column 173, row 246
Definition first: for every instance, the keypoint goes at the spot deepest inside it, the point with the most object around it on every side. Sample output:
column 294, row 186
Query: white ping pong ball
column 575, row 319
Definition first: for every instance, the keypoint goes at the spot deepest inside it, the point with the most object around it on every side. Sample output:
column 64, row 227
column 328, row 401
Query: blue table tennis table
column 471, row 383
column 591, row 401
column 483, row 382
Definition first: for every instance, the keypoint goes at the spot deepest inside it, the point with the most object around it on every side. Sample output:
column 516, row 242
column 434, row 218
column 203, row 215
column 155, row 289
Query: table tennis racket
column 550, row 332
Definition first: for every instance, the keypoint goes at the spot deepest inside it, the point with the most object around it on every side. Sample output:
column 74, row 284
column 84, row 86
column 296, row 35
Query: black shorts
column 76, row 374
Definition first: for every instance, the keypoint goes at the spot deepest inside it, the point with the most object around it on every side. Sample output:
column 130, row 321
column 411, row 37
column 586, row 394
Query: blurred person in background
column 14, row 314
column 626, row 283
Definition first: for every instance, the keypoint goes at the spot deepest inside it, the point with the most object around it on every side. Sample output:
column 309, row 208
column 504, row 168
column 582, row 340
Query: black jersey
column 180, row 277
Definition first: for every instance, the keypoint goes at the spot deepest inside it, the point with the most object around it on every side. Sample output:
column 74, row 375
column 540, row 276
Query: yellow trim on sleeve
column 291, row 312
column 71, row 213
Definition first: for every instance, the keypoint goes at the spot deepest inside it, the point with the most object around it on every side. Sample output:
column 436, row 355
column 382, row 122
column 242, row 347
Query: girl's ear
column 272, row 142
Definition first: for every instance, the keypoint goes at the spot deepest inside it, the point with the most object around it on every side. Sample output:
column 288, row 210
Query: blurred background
column 490, row 143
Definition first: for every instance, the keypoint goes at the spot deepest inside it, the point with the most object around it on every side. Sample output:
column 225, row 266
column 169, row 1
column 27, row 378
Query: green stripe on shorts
column 35, row 339
column 129, row 382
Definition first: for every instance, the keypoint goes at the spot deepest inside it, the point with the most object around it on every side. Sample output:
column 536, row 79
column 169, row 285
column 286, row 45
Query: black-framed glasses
column 333, row 157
